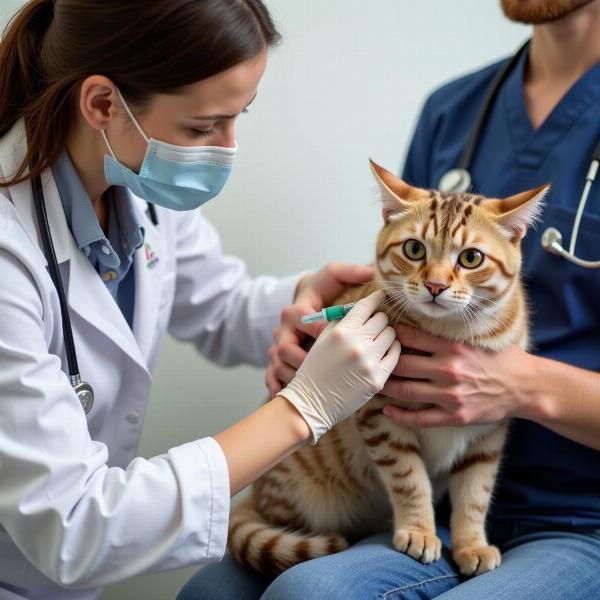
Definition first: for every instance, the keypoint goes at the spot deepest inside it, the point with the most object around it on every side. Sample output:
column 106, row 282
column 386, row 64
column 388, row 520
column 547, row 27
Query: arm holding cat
column 343, row 370
column 471, row 386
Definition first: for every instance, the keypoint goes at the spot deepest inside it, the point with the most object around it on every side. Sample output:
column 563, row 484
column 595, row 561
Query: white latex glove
column 346, row 367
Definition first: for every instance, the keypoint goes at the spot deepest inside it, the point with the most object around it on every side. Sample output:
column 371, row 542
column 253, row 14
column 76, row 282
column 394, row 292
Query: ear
column 394, row 192
column 96, row 101
column 517, row 213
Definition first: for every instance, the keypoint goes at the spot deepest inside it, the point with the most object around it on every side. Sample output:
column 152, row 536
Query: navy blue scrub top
column 546, row 480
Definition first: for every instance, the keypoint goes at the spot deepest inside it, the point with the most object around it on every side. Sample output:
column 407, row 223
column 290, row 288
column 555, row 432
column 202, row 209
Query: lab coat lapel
column 149, row 264
column 89, row 297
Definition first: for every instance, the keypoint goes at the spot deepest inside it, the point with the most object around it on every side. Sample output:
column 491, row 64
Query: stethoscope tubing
column 459, row 178
column 84, row 391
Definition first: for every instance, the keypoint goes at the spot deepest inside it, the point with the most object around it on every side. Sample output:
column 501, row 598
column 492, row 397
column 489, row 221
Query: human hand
column 465, row 385
column 348, row 364
column 291, row 337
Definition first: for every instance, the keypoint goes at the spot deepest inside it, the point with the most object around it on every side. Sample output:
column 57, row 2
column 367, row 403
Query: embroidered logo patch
column 151, row 258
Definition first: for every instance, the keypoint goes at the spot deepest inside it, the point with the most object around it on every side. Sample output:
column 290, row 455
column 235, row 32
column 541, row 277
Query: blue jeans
column 544, row 565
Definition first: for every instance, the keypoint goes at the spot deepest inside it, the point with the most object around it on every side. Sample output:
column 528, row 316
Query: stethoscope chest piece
column 456, row 180
column 552, row 241
column 84, row 392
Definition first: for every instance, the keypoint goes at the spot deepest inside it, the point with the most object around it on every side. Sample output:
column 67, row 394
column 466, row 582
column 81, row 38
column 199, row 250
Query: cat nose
column 435, row 288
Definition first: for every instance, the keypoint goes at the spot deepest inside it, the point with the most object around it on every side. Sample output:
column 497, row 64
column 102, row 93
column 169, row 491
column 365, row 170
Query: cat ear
column 517, row 213
column 394, row 192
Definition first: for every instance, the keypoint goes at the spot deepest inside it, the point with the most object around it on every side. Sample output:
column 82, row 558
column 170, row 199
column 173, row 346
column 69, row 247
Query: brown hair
column 144, row 46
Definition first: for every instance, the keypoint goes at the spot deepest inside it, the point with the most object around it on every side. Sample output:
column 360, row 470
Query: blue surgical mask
column 176, row 177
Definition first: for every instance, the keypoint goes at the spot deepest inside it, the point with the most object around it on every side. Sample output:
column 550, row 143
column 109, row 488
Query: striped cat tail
column 270, row 549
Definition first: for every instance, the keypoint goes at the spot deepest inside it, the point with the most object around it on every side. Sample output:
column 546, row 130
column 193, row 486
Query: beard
column 537, row 12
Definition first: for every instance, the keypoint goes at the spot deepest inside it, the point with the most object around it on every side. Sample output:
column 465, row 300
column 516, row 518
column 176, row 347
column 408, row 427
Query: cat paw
column 421, row 545
column 472, row 560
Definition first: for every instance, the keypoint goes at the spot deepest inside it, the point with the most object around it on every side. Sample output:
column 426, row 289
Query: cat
column 449, row 264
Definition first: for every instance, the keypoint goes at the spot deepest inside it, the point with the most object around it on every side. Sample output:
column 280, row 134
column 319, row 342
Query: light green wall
column 346, row 84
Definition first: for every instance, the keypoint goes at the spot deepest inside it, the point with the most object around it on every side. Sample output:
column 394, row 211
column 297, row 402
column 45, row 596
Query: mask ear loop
column 135, row 122
column 103, row 133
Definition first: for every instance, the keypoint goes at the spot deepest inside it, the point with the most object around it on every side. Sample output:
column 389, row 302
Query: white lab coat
column 77, row 509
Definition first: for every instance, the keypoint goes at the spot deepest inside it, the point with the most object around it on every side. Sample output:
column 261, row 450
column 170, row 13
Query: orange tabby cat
column 449, row 264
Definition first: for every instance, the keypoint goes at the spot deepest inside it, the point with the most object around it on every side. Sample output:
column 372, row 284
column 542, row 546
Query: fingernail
column 387, row 411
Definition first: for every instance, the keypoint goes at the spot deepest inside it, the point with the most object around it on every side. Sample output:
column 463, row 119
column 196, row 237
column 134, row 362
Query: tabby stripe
column 480, row 276
column 451, row 210
column 404, row 447
column 386, row 461
column 368, row 413
column 501, row 266
column 246, row 543
column 281, row 467
column 401, row 264
column 303, row 464
column 408, row 491
column 480, row 508
column 269, row 501
column 435, row 223
column 387, row 249
column 507, row 323
column 333, row 545
column 321, row 464
column 402, row 475
column 377, row 439
column 233, row 528
column 474, row 459
column 493, row 289
column 267, row 480
column 302, row 550
column 339, row 455
column 463, row 222
column 365, row 425
column 266, row 556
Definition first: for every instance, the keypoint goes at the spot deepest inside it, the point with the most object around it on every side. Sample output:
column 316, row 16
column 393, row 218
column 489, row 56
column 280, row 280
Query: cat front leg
column 471, row 484
column 396, row 451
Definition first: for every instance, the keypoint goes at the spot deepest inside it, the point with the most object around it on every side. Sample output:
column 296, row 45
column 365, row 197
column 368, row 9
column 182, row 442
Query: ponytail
column 21, row 79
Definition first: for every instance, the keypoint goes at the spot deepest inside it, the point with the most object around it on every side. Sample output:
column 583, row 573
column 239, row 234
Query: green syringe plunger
column 330, row 313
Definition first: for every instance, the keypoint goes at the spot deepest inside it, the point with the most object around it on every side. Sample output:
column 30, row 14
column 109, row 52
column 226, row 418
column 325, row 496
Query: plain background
column 346, row 84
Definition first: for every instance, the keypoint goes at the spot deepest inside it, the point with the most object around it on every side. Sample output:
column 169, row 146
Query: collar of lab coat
column 86, row 293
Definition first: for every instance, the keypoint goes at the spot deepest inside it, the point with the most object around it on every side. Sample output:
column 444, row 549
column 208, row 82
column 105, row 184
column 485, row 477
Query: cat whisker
column 401, row 309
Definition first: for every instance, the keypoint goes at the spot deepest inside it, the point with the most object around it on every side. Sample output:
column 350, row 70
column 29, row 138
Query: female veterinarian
column 117, row 122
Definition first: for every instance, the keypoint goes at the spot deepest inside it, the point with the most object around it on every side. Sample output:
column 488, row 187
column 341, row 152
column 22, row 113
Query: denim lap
column 371, row 568
column 550, row 565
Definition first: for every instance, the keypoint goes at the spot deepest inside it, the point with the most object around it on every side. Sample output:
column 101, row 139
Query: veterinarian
column 117, row 121
column 543, row 126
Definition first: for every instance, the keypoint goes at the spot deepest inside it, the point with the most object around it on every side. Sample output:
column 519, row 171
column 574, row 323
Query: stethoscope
column 459, row 178
column 84, row 390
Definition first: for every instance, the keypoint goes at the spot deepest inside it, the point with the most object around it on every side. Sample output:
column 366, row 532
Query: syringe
column 330, row 313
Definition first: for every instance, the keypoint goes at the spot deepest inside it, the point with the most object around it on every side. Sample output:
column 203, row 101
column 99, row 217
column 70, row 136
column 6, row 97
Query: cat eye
column 470, row 258
column 414, row 249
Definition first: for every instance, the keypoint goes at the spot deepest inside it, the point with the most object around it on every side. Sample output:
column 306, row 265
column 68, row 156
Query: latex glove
column 292, row 337
column 346, row 367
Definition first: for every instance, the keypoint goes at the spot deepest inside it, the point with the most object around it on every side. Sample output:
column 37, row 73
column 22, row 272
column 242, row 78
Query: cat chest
column 442, row 447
